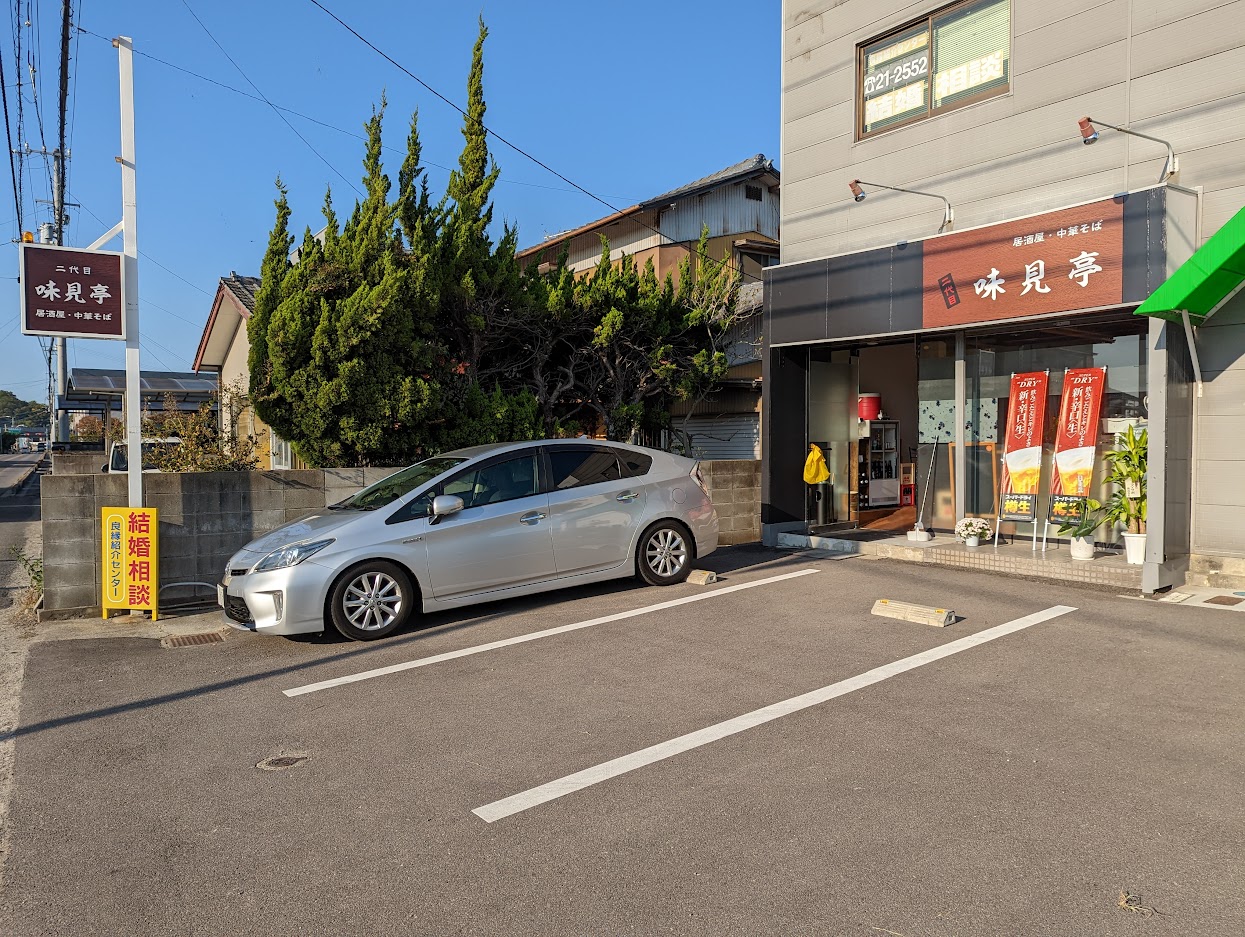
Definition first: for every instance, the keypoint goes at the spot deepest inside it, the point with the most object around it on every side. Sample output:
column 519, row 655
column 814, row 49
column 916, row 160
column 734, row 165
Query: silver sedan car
column 472, row 526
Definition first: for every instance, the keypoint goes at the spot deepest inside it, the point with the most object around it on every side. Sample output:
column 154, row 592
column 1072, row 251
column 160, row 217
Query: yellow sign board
column 130, row 577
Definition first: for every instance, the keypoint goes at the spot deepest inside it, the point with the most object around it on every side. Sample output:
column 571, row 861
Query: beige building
column 945, row 228
column 739, row 205
column 223, row 349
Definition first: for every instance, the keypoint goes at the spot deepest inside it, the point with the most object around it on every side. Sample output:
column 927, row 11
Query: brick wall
column 735, row 486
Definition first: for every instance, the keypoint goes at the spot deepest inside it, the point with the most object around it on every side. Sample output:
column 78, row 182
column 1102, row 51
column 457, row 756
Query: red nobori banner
column 1022, row 447
column 1062, row 261
column 72, row 293
column 1076, row 437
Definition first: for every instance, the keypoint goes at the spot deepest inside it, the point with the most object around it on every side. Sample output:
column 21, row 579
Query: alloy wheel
column 666, row 553
column 372, row 601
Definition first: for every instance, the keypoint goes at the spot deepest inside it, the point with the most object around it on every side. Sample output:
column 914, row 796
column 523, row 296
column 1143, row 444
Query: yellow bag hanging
column 815, row 471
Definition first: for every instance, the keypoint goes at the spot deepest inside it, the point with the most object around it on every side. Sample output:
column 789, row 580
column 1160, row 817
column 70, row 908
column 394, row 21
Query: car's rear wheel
column 372, row 600
column 664, row 554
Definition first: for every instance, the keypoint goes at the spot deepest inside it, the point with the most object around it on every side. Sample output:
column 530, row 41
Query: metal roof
column 107, row 381
column 755, row 166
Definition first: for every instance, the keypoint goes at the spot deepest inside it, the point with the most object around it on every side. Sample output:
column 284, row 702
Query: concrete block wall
column 78, row 463
column 735, row 487
column 204, row 518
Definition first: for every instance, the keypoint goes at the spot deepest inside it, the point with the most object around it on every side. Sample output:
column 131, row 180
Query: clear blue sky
column 626, row 100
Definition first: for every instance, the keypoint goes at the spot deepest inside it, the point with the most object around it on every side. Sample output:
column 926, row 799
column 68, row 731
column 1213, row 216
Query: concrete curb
column 945, row 554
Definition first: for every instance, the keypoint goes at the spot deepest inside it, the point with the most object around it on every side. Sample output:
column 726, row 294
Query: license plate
column 220, row 594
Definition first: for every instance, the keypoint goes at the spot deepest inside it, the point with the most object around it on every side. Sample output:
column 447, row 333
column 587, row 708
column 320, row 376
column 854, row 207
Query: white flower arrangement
column 972, row 527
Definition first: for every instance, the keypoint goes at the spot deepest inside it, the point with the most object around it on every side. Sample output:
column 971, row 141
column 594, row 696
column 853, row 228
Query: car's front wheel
column 372, row 600
column 664, row 555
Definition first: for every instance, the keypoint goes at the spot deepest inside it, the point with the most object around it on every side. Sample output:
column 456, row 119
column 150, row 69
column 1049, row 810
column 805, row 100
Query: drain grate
column 280, row 762
column 190, row 640
column 1224, row 600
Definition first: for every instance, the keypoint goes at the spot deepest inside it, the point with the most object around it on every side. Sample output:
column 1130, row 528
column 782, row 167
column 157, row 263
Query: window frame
column 930, row 111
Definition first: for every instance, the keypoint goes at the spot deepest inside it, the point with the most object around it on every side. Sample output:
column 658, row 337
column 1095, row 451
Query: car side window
column 419, row 507
column 576, row 466
column 496, row 482
column 634, row 464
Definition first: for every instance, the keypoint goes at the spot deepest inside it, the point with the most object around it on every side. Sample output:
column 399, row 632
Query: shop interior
column 883, row 415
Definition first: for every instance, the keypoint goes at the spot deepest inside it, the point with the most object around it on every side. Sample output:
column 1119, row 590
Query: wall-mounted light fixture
column 948, row 214
column 1089, row 134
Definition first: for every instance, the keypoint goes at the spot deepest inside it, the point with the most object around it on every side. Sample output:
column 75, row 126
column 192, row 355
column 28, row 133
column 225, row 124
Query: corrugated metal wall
column 736, row 436
column 1170, row 68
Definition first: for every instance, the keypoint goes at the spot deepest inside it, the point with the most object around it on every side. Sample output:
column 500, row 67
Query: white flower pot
column 1135, row 548
column 972, row 541
column 1082, row 548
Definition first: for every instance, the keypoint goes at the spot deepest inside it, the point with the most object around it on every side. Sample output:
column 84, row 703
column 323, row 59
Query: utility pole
column 58, row 215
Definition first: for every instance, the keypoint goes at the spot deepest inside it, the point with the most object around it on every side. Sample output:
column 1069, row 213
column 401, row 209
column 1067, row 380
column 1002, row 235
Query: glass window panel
column 895, row 80
column 971, row 51
column 573, row 467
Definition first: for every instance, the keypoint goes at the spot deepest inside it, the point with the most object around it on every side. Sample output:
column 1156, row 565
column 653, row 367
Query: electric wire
column 8, row 135
column 493, row 133
column 315, row 120
column 275, row 109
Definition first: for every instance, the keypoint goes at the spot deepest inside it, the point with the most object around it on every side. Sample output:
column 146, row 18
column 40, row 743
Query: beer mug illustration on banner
column 1076, row 469
column 1024, row 466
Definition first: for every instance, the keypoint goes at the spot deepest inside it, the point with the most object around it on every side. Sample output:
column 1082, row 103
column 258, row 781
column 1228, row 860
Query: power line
column 62, row 103
column 308, row 117
column 518, row 149
column 8, row 134
column 275, row 109
column 147, row 256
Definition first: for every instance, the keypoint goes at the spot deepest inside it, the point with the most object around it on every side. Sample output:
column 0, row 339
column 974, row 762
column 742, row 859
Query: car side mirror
column 444, row 505
column 104, row 468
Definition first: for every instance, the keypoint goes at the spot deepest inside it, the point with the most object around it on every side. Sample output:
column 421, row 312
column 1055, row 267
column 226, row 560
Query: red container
column 868, row 406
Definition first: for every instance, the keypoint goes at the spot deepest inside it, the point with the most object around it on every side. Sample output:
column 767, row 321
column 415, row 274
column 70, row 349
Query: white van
column 119, row 462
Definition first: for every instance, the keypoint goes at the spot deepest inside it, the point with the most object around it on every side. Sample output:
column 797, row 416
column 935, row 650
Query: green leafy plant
column 1127, row 465
column 33, row 567
column 1090, row 520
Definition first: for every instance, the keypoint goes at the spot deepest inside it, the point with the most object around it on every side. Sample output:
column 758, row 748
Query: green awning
column 1206, row 279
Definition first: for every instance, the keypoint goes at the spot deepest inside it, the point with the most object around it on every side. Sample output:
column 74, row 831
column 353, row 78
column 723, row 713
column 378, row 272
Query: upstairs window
column 957, row 56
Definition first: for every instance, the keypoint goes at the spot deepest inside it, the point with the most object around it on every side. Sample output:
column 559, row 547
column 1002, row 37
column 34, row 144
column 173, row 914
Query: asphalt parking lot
column 719, row 766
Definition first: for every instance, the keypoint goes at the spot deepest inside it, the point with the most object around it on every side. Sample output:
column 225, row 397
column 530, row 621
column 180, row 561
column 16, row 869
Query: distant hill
column 21, row 411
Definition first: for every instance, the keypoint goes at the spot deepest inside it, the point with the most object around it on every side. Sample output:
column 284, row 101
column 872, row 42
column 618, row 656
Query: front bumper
column 281, row 601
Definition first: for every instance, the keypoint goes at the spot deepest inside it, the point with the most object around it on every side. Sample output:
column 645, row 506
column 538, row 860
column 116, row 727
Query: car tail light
column 699, row 478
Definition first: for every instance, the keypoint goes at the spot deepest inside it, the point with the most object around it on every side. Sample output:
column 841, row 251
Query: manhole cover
column 280, row 762
column 190, row 640
column 1224, row 600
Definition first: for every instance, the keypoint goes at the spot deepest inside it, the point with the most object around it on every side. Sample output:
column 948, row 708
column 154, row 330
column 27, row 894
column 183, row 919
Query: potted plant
column 1127, row 504
column 1080, row 532
column 971, row 530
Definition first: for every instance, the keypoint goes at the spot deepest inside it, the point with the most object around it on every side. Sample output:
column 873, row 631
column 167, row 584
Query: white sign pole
column 129, row 209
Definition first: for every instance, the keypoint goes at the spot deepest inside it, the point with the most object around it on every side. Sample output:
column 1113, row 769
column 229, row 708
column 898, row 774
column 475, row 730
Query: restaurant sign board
column 71, row 293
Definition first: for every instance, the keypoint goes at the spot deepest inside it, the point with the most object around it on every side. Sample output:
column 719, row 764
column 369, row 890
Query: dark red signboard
column 72, row 293
column 1071, row 259
column 1022, row 449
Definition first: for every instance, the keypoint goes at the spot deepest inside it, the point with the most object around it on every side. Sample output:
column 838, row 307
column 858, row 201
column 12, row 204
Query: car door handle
column 532, row 517
column 628, row 496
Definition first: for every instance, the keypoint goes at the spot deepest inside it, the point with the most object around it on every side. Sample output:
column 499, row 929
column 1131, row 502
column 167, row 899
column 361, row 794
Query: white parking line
column 537, row 635
column 517, row 803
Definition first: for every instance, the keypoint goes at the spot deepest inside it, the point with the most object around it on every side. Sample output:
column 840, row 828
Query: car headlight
column 291, row 555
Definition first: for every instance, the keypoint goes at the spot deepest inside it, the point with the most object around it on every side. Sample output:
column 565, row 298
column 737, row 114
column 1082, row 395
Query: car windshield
column 120, row 462
column 395, row 486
